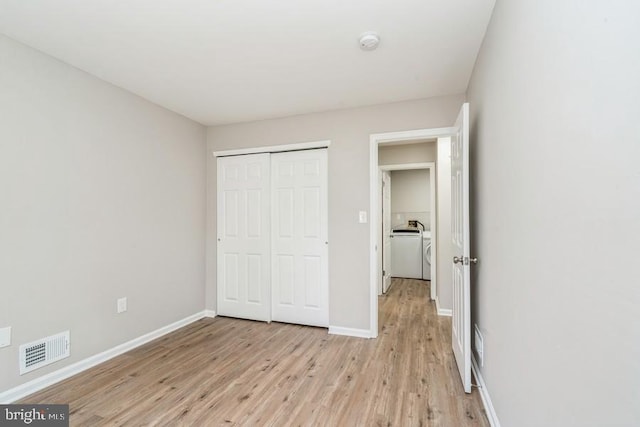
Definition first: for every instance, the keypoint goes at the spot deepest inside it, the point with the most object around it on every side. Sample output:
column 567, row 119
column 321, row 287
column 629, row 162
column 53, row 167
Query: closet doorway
column 272, row 236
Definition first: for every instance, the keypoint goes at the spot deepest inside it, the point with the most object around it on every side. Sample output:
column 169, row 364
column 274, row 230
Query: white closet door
column 243, row 237
column 300, row 282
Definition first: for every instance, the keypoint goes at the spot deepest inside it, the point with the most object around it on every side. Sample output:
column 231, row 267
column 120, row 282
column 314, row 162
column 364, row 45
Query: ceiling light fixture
column 369, row 40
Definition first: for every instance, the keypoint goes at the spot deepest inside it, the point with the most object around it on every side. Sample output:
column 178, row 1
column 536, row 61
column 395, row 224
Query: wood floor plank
column 234, row 372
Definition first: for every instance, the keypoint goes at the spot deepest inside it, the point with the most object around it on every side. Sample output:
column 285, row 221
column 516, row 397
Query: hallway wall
column 410, row 197
column 555, row 101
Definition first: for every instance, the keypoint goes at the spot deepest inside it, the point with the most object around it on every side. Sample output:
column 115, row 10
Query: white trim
column 443, row 311
column 411, row 135
column 274, row 148
column 47, row 380
column 375, row 140
column 350, row 332
column 209, row 313
column 484, row 394
column 373, row 234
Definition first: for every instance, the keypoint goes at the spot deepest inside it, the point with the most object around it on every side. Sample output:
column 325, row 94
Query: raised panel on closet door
column 243, row 249
column 300, row 283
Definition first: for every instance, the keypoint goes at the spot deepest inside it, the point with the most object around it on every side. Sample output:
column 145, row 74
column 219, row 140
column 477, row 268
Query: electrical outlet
column 122, row 305
column 362, row 217
column 5, row 336
column 479, row 345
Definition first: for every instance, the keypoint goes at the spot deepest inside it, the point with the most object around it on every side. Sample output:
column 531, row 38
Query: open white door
column 461, row 321
column 386, row 231
column 243, row 237
column 300, row 272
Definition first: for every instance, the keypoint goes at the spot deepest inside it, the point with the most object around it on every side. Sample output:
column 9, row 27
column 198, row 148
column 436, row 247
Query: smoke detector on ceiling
column 369, row 40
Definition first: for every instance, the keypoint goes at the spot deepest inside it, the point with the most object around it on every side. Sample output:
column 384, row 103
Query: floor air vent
column 42, row 352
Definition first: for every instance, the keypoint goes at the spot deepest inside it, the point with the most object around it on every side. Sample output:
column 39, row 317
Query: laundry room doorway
column 402, row 150
column 452, row 210
column 408, row 212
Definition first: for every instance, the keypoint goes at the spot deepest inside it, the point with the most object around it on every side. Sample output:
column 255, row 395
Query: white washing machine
column 426, row 255
column 406, row 253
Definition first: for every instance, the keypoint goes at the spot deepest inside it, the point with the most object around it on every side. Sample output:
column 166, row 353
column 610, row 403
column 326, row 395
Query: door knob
column 464, row 260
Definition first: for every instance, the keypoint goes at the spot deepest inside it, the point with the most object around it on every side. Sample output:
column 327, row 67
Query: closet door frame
column 267, row 150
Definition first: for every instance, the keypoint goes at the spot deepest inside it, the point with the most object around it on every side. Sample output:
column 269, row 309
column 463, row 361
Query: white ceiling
column 226, row 61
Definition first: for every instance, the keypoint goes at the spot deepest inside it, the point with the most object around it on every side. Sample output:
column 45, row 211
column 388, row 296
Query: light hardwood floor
column 226, row 371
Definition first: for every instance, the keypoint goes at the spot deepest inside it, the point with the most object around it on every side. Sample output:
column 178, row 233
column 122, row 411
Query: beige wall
column 102, row 196
column 410, row 191
column 422, row 152
column 349, row 132
column 555, row 101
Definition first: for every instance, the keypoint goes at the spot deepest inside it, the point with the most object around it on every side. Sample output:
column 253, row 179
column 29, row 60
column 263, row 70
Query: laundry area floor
column 232, row 372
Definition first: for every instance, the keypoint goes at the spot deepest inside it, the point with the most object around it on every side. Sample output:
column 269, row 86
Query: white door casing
column 243, row 246
column 386, row 230
column 461, row 311
column 299, row 237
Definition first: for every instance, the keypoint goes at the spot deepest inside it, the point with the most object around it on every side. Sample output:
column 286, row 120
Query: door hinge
column 384, row 273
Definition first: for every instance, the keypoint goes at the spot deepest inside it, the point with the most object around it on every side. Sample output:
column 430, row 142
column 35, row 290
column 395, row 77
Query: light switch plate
column 5, row 336
column 363, row 217
column 122, row 305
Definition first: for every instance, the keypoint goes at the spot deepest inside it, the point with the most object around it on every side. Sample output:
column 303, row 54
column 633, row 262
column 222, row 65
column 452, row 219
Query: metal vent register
column 44, row 351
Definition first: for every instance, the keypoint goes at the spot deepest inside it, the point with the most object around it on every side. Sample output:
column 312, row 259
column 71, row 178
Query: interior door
column 243, row 250
column 386, row 230
column 300, row 274
column 461, row 321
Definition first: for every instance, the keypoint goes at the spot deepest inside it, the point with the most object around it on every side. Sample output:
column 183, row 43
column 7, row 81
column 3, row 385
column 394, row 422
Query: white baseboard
column 350, row 332
column 47, row 380
column 443, row 311
column 484, row 394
